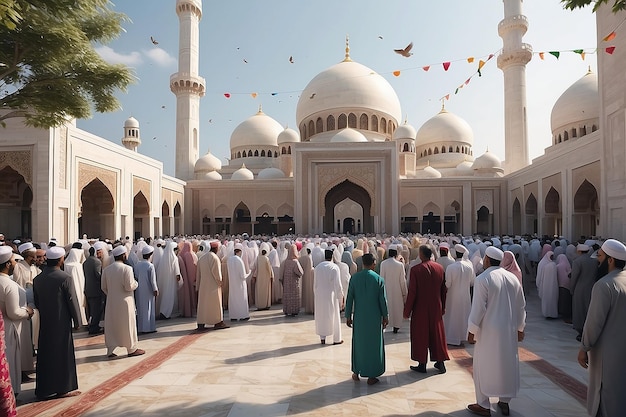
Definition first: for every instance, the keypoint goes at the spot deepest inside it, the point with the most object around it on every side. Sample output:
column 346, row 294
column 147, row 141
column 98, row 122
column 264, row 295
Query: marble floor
column 274, row 365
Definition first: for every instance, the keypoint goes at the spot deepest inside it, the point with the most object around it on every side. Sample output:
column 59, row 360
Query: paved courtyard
column 273, row 366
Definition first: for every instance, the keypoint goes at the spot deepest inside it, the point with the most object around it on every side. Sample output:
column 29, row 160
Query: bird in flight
column 154, row 41
column 291, row 59
column 406, row 52
column 210, row 120
column 380, row 37
column 244, row 60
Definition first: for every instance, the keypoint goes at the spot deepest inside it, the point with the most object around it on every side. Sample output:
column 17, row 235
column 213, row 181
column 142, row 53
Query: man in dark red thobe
column 425, row 304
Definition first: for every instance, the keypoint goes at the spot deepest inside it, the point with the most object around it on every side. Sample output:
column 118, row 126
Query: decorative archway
column 586, row 210
column 141, row 216
column 348, row 216
column 242, row 222
column 17, row 198
column 177, row 222
column 517, row 217
column 165, row 219
column 531, row 214
column 552, row 217
column 431, row 218
column 484, row 221
column 97, row 217
column 410, row 221
column 356, row 193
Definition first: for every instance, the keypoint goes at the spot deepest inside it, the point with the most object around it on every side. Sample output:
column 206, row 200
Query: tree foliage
column 576, row 4
column 49, row 69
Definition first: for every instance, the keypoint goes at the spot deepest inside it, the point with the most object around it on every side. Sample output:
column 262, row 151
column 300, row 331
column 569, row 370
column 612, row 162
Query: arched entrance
column 96, row 217
column 431, row 219
column 15, row 210
column 242, row 222
column 177, row 211
column 531, row 214
column 141, row 216
column 357, row 194
column 552, row 217
column 484, row 221
column 586, row 211
column 348, row 217
column 517, row 217
column 165, row 219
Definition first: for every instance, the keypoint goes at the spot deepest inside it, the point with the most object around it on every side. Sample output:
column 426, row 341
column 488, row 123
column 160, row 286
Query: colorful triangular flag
column 555, row 53
column 227, row 95
column 396, row 73
column 426, row 68
column 609, row 37
column 446, row 65
column 541, row 55
column 609, row 50
column 253, row 95
column 470, row 59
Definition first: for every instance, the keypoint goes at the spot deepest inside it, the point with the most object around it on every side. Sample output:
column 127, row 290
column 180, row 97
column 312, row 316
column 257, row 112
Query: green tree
column 49, row 69
column 575, row 4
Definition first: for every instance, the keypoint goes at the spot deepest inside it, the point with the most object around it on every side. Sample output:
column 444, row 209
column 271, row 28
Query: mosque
column 352, row 166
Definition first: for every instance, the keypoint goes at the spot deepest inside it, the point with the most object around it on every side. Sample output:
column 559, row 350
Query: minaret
column 131, row 139
column 512, row 61
column 188, row 88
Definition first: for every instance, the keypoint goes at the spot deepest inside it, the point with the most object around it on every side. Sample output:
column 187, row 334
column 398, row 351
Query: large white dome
column 348, row 85
column 579, row 103
column 404, row 131
column 444, row 127
column 257, row 130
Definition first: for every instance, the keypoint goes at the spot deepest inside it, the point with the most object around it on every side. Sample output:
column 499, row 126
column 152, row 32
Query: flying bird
column 154, row 138
column 313, row 95
column 162, row 107
column 291, row 59
column 406, row 52
column 380, row 37
column 245, row 61
column 210, row 120
column 154, row 41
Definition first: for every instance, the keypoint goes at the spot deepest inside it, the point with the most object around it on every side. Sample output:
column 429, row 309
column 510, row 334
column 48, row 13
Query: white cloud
column 160, row 57
column 132, row 59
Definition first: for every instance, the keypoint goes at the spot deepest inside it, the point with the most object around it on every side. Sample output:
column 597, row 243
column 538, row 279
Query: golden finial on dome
column 443, row 106
column 347, row 58
column 260, row 109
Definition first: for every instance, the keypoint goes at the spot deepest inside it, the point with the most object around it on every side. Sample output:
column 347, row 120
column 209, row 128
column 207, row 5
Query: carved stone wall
column 330, row 176
column 88, row 173
column 483, row 198
column 143, row 185
column 63, row 157
column 20, row 161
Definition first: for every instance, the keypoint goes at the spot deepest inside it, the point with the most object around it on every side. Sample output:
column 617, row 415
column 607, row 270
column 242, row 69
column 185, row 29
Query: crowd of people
column 454, row 290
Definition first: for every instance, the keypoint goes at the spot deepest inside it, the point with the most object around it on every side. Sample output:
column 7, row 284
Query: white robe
column 146, row 302
column 166, row 272
column 237, row 288
column 328, row 297
column 120, row 323
column 74, row 266
column 394, row 275
column 459, row 278
column 498, row 313
column 548, row 286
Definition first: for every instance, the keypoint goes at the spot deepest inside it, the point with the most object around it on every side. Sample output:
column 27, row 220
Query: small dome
column 465, row 168
column 404, row 131
column 444, row 127
column 257, row 130
column 288, row 136
column 211, row 176
column 348, row 85
column 579, row 103
column 348, row 135
column 131, row 122
column 487, row 160
column 207, row 163
column 428, row 172
column 242, row 173
column 270, row 174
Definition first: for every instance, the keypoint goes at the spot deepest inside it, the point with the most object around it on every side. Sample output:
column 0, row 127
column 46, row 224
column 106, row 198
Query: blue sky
column 266, row 34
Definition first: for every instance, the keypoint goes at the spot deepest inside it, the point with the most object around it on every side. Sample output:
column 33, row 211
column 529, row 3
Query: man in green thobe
column 366, row 308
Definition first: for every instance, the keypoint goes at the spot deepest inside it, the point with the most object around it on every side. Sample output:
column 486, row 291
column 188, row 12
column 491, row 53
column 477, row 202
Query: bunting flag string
column 446, row 65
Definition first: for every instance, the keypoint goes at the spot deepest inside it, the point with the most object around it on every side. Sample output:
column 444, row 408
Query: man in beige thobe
column 209, row 287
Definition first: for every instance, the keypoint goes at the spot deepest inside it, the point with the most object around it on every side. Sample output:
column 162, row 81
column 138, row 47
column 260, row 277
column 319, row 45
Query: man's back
column 92, row 268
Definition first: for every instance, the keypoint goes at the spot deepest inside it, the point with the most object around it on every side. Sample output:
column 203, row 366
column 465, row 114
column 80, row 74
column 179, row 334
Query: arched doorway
column 177, row 212
column 15, row 210
column 552, row 217
column 141, row 216
column 242, row 222
column 517, row 217
column 348, row 216
column 452, row 218
column 586, row 211
column 97, row 218
column 484, row 221
column 357, row 194
column 409, row 219
column 165, row 219
column 531, row 214
column 431, row 219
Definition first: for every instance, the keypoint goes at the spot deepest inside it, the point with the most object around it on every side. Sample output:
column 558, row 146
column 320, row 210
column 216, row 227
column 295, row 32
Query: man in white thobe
column 168, row 280
column 120, row 323
column 24, row 273
column 394, row 274
column 275, row 262
column 496, row 324
column 238, row 289
column 459, row 278
column 444, row 259
column 548, row 286
column 328, row 299
column 146, row 293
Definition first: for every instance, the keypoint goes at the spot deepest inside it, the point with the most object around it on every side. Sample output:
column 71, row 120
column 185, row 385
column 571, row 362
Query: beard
column 603, row 269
